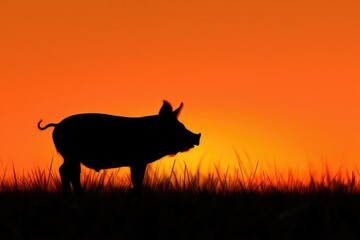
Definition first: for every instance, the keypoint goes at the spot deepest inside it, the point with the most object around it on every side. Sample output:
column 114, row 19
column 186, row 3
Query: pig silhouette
column 101, row 141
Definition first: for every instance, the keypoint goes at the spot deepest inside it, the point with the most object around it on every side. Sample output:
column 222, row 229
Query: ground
column 41, row 215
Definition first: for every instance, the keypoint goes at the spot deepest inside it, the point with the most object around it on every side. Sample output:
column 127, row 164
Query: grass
column 230, row 204
column 240, row 181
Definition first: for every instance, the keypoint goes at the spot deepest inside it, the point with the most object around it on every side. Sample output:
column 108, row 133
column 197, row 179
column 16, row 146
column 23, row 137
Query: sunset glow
column 273, row 82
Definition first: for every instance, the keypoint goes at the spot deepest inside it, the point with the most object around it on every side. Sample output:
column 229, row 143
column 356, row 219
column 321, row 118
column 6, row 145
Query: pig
column 102, row 141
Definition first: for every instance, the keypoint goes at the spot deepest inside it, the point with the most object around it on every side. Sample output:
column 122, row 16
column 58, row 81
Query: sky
column 275, row 81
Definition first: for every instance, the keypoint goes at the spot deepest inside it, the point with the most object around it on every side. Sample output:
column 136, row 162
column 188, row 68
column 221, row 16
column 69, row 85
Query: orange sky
column 277, row 79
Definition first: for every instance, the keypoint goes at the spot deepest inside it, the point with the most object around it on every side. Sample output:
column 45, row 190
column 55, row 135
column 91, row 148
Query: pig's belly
column 104, row 162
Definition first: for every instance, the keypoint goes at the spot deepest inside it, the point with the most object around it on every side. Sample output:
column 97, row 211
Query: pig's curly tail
column 49, row 125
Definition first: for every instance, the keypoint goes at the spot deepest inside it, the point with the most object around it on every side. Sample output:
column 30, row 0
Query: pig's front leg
column 137, row 177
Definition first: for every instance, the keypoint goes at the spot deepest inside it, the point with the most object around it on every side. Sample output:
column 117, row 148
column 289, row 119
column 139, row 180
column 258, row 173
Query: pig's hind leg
column 70, row 173
column 75, row 179
column 65, row 179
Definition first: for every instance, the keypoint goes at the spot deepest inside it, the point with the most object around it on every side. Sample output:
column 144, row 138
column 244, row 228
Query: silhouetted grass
column 219, row 182
column 231, row 204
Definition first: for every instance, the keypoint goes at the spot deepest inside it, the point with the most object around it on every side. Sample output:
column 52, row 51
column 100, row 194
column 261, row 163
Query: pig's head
column 176, row 138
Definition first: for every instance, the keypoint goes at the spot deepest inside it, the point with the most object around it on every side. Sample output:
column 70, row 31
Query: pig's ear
column 177, row 112
column 166, row 109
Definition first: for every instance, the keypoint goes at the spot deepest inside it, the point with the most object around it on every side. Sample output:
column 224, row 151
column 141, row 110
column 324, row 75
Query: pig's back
column 101, row 134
